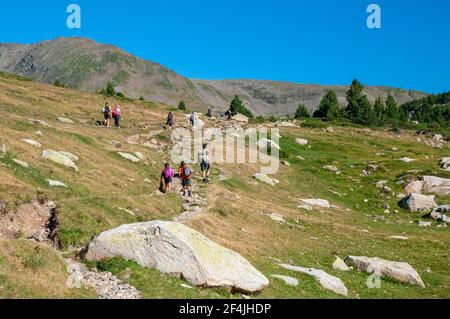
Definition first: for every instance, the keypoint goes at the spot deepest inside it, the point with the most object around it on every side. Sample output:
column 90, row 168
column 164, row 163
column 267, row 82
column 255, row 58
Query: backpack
column 115, row 113
column 168, row 173
column 187, row 172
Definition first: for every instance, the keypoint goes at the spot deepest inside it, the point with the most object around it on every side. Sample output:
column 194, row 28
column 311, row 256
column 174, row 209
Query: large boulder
column 439, row 213
column 436, row 185
column 414, row 187
column 400, row 271
column 326, row 280
column 59, row 158
column 176, row 249
column 418, row 203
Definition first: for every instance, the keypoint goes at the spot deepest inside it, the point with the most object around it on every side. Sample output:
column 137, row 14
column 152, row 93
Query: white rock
column 264, row 178
column 21, row 163
column 407, row 160
column 54, row 183
column 240, row 118
column 129, row 157
column 339, row 264
column 139, row 155
column 424, row 224
column 186, row 286
column 59, row 158
column 285, row 124
column 277, row 218
column 418, row 203
column 439, row 213
column 301, row 141
column 400, row 271
column 39, row 133
column 414, row 187
column 317, row 202
column 326, row 280
column 436, row 185
column 72, row 156
column 33, row 143
column 399, row 237
column 287, row 280
column 65, row 120
column 445, row 163
column 174, row 248
column 3, row 150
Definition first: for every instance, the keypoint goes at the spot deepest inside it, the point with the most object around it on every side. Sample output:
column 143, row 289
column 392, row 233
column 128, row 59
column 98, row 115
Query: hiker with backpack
column 107, row 114
column 205, row 163
column 167, row 177
column 169, row 123
column 193, row 119
column 117, row 115
column 185, row 173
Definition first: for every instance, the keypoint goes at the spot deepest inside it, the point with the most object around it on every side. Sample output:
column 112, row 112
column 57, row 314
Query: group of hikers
column 115, row 113
column 185, row 173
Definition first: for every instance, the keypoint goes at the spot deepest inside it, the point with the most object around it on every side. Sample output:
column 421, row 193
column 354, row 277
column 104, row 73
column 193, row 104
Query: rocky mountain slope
column 337, row 194
column 86, row 65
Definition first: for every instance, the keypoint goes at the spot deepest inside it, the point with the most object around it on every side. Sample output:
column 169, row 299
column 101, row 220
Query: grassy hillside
column 107, row 187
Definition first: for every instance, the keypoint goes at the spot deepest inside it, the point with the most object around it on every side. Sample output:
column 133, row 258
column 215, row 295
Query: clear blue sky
column 320, row 41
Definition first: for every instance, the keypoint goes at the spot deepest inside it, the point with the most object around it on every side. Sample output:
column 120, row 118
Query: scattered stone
column 326, row 280
column 240, row 118
column 285, row 163
column 152, row 134
column 39, row 133
column 126, row 211
column 21, row 163
column 40, row 122
column 287, row 280
column 139, row 155
column 33, row 143
column 265, row 179
column 317, row 202
column 329, row 129
column 277, row 218
column 414, row 187
column 285, row 124
column 73, row 157
column 399, row 237
column 186, row 286
column 177, row 249
column 301, row 141
column 445, row 163
column 59, row 158
column 54, row 183
column 116, row 144
column 439, row 213
column 129, row 157
column 400, row 271
column 407, row 160
column 134, row 140
column 339, row 264
column 424, row 224
column 331, row 168
column 3, row 150
column 301, row 158
column 65, row 120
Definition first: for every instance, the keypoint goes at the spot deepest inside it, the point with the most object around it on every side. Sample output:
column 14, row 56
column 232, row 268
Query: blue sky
column 320, row 41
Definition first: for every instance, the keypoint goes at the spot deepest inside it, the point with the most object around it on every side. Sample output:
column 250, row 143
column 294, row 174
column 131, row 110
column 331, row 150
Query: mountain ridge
column 87, row 65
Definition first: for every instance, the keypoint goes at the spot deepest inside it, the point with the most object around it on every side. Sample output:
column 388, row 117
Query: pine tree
column 366, row 114
column 354, row 99
column 110, row 89
column 182, row 106
column 392, row 110
column 237, row 107
column 301, row 112
column 329, row 107
column 379, row 110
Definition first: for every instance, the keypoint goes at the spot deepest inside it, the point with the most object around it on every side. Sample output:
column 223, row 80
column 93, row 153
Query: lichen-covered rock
column 59, row 158
column 176, row 249
column 400, row 271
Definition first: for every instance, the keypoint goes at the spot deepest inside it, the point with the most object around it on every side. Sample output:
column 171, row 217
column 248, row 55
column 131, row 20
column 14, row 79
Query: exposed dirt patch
column 35, row 221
